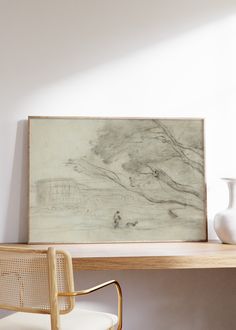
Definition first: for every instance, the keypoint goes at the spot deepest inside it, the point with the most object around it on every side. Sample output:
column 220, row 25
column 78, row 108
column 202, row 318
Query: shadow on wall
column 43, row 41
column 17, row 213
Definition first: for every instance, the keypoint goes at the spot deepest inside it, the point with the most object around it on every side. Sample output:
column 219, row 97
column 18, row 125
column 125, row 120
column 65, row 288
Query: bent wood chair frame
column 54, row 294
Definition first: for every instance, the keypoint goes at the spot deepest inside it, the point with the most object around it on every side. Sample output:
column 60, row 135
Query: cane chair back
column 25, row 279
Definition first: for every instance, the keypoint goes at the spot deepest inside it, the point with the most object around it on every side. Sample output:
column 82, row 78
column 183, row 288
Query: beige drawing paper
column 116, row 180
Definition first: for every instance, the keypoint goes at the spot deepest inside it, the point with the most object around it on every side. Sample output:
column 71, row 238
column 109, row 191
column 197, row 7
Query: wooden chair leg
column 55, row 317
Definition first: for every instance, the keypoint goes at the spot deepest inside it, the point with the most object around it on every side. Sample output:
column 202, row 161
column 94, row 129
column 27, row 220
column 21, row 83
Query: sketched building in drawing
column 57, row 192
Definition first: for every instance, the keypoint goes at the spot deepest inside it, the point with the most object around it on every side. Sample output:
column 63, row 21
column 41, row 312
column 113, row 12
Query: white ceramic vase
column 225, row 221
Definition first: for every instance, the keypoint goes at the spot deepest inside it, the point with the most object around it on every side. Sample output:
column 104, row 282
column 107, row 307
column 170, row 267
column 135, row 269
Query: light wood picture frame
column 105, row 180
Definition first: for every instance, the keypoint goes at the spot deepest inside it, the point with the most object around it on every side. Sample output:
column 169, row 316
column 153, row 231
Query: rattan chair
column 39, row 286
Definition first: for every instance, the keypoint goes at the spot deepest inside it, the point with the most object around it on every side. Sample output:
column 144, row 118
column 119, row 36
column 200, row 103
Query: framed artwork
column 103, row 180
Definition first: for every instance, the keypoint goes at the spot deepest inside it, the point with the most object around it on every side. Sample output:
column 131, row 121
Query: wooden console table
column 122, row 256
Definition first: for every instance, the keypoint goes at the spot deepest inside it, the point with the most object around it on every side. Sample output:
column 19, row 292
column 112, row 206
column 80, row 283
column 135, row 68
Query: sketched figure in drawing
column 116, row 219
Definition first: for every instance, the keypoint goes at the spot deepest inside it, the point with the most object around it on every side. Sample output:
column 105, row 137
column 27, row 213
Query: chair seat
column 76, row 320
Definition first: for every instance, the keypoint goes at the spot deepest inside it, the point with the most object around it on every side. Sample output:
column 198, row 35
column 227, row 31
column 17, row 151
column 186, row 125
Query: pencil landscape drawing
column 116, row 180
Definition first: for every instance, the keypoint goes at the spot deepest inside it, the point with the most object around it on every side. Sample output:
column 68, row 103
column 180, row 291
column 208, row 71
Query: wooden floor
column 120, row 256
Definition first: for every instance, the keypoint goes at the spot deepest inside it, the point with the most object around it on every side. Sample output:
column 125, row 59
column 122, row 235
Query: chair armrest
column 98, row 287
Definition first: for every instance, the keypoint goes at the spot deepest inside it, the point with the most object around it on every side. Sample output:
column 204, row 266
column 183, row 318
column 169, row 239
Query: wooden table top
column 121, row 256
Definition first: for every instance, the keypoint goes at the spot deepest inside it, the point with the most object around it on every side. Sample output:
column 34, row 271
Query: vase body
column 225, row 221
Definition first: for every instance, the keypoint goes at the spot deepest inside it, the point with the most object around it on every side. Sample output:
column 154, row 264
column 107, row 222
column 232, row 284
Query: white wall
column 125, row 58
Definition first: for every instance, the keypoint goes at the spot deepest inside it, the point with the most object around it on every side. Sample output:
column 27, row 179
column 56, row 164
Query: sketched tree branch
column 179, row 148
column 98, row 171
column 159, row 174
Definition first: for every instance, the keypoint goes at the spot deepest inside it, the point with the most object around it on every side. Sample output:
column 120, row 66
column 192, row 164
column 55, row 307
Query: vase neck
column 232, row 194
